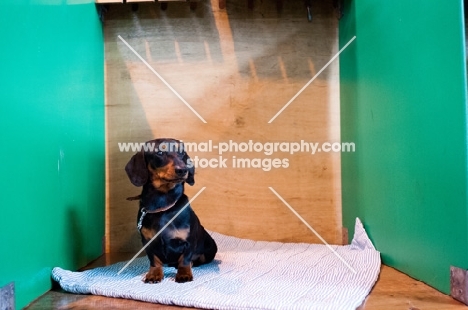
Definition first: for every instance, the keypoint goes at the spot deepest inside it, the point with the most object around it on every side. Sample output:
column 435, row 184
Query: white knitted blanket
column 248, row 274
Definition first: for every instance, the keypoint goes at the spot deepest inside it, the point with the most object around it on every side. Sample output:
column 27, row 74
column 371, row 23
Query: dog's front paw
column 154, row 275
column 184, row 274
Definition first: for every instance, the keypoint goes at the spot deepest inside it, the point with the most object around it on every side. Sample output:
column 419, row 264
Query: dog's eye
column 159, row 153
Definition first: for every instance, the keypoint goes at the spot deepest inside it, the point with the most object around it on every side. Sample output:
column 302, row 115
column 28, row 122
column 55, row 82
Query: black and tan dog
column 184, row 242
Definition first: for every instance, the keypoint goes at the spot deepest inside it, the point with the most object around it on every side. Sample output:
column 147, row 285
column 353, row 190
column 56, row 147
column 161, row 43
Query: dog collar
column 144, row 212
column 140, row 221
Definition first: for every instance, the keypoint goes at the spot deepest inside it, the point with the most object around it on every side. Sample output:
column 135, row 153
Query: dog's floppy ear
column 191, row 170
column 136, row 169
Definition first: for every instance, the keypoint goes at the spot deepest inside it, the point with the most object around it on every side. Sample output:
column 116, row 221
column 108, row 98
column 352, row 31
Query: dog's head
column 163, row 162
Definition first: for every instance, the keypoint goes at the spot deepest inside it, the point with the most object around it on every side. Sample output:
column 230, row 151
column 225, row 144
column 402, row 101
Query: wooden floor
column 394, row 290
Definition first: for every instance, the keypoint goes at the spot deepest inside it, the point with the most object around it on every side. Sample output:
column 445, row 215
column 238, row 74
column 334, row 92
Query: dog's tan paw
column 184, row 274
column 154, row 275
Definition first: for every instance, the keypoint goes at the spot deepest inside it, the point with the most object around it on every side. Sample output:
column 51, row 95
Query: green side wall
column 52, row 140
column 403, row 102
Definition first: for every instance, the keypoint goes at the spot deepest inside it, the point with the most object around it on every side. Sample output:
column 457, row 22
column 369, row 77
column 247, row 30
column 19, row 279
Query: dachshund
column 162, row 168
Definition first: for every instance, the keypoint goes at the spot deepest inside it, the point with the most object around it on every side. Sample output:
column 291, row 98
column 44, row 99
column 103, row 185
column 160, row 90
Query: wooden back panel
column 237, row 69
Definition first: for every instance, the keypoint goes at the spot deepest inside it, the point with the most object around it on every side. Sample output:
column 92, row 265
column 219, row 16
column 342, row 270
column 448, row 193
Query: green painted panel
column 52, row 133
column 403, row 102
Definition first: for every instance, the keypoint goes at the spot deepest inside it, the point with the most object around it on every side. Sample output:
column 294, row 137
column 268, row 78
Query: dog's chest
column 178, row 233
column 165, row 226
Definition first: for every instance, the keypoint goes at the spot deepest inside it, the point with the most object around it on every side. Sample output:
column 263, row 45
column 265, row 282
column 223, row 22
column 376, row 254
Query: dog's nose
column 181, row 172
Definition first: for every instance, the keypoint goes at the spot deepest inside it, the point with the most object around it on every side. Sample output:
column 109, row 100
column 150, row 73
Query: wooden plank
column 395, row 290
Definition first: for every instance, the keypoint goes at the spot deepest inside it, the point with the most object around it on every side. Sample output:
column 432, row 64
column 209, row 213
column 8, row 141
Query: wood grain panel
column 237, row 69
